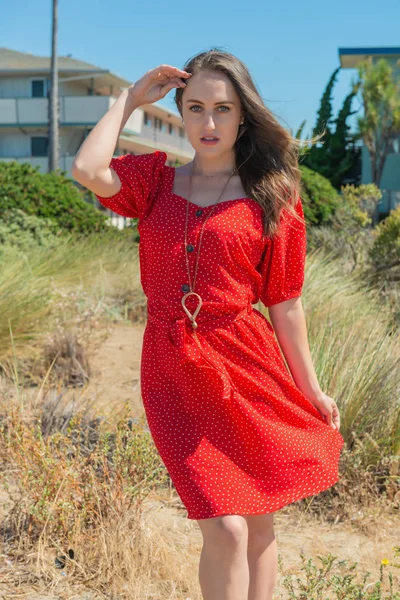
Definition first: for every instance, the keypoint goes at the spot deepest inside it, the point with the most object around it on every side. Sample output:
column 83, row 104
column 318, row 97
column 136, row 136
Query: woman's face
column 211, row 107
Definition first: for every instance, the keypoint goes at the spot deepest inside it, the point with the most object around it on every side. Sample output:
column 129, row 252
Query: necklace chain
column 192, row 287
column 215, row 175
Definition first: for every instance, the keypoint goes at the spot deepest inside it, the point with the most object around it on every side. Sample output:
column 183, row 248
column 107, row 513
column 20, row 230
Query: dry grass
column 84, row 496
column 79, row 281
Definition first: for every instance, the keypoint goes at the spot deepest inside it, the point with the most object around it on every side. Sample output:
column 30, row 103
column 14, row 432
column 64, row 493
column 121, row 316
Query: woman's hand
column 156, row 83
column 328, row 409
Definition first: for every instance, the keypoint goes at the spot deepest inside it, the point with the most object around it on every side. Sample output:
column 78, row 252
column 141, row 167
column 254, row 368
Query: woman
column 240, row 435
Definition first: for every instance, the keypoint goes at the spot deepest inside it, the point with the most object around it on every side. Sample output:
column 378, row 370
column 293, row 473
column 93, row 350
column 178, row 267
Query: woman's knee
column 260, row 530
column 224, row 530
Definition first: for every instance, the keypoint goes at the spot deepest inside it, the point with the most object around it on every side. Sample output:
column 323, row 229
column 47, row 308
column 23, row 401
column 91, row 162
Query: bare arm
column 91, row 164
column 289, row 323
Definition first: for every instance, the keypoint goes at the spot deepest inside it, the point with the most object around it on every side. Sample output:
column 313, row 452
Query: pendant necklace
column 191, row 292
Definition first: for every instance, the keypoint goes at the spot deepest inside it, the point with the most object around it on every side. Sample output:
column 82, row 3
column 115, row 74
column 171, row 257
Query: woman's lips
column 209, row 142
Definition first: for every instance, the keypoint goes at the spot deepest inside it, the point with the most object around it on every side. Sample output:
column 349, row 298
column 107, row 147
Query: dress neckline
column 173, row 170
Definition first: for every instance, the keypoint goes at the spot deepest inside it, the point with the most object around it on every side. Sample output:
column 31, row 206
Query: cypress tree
column 336, row 157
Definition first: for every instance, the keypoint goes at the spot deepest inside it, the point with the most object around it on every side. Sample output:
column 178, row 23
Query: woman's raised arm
column 91, row 165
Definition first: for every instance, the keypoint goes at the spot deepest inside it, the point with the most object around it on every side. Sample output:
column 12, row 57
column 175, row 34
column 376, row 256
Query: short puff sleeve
column 140, row 176
column 283, row 260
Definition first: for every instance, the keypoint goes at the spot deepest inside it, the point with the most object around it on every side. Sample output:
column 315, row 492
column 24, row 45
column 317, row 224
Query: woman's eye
column 198, row 106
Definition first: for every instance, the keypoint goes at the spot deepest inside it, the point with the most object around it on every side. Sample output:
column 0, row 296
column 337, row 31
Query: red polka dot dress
column 235, row 433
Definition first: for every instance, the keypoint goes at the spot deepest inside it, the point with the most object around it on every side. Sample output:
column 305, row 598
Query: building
column 390, row 183
column 86, row 93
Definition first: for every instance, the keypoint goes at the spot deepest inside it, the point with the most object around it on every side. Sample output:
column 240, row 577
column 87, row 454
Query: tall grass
column 33, row 285
column 356, row 353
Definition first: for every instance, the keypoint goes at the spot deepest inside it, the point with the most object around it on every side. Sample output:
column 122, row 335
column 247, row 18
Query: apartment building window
column 39, row 146
column 147, row 118
column 170, row 129
column 181, row 132
column 157, row 123
column 38, row 88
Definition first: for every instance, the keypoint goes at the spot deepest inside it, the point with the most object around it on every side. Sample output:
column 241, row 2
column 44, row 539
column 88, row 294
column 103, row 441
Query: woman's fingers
column 180, row 83
column 173, row 83
column 169, row 71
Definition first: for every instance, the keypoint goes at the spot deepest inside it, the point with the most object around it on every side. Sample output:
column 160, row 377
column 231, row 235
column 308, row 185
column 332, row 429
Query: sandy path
column 116, row 370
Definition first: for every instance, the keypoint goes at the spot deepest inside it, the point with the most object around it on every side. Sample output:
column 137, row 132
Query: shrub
column 19, row 229
column 385, row 253
column 319, row 196
column 47, row 195
column 335, row 580
column 350, row 224
column 74, row 478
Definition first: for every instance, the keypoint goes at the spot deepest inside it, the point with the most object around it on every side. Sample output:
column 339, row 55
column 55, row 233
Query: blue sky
column 290, row 48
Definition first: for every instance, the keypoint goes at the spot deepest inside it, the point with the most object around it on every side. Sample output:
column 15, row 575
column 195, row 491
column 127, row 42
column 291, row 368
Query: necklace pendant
column 191, row 316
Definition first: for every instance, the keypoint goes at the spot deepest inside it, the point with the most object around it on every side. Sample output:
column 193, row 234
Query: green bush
column 348, row 233
column 19, row 229
column 319, row 196
column 385, row 253
column 47, row 195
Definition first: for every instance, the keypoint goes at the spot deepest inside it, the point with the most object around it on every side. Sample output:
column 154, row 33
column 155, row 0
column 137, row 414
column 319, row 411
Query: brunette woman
column 240, row 434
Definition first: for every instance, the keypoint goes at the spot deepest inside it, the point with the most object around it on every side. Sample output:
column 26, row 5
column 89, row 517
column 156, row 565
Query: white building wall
column 20, row 87
column 14, row 144
column 14, row 87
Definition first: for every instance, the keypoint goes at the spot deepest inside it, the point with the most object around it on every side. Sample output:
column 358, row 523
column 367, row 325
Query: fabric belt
column 187, row 341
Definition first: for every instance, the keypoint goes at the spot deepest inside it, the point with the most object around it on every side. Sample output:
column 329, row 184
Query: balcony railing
column 84, row 111
column 81, row 110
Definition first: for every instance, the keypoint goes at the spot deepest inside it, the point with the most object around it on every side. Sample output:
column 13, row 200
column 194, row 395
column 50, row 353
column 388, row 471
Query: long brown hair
column 266, row 153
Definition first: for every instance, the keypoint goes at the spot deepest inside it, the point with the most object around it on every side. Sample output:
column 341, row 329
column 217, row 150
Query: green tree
column 380, row 92
column 344, row 155
column 316, row 157
column 337, row 157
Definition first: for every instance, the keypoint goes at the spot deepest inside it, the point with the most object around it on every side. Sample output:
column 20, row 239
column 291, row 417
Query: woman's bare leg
column 223, row 568
column 262, row 556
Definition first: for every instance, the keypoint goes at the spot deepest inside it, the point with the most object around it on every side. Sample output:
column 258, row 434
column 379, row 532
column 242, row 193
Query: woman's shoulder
column 143, row 169
column 146, row 161
column 141, row 176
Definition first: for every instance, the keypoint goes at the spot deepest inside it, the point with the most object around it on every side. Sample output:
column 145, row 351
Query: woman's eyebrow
column 200, row 102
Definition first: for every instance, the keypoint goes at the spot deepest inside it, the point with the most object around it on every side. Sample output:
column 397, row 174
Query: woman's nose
column 209, row 120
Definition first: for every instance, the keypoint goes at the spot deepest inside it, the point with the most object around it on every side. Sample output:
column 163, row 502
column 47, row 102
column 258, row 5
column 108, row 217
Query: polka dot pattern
column 235, row 433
